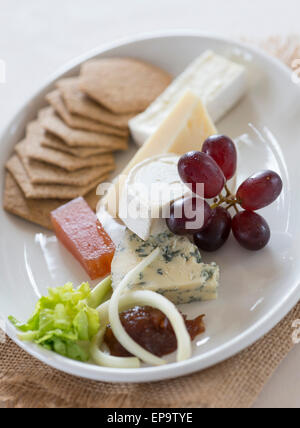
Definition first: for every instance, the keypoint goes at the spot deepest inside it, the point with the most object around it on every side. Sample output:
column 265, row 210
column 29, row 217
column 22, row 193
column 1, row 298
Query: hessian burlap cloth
column 236, row 383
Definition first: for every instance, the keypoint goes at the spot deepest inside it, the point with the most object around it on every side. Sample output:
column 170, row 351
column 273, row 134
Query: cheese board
column 216, row 106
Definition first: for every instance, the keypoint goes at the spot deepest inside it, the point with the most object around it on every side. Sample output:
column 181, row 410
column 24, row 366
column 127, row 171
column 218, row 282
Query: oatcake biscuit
column 32, row 148
column 46, row 191
column 35, row 210
column 78, row 103
column 52, row 142
column 79, row 122
column 123, row 85
column 73, row 137
column 42, row 173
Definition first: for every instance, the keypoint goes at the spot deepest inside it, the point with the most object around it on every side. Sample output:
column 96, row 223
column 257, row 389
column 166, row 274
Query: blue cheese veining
column 179, row 273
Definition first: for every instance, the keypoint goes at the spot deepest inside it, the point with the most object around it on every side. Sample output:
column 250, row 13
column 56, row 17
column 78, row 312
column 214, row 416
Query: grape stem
column 229, row 199
column 234, row 206
column 228, row 193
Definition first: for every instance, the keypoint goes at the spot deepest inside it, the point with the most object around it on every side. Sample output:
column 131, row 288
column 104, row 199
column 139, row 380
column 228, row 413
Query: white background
column 37, row 37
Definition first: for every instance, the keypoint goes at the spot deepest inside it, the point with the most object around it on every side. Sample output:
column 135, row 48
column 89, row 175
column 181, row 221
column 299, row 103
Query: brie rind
column 185, row 129
column 219, row 82
column 148, row 192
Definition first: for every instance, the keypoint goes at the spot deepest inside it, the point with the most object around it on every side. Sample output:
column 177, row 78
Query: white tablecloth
column 37, row 37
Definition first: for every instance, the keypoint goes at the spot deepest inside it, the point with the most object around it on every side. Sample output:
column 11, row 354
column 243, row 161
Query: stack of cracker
column 68, row 150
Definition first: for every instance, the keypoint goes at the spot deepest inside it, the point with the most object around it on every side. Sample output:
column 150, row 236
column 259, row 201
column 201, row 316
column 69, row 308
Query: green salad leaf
column 66, row 320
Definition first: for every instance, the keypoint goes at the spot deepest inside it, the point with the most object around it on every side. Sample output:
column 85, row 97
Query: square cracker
column 79, row 103
column 42, row 173
column 35, row 210
column 33, row 148
column 46, row 191
column 79, row 122
column 123, row 85
column 74, row 137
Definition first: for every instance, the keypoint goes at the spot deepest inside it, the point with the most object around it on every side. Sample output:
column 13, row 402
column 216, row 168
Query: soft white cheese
column 217, row 81
column 185, row 128
column 149, row 190
column 179, row 273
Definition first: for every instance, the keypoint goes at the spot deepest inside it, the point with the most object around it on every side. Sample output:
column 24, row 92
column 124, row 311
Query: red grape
column 217, row 231
column 251, row 230
column 223, row 151
column 199, row 168
column 259, row 190
column 189, row 210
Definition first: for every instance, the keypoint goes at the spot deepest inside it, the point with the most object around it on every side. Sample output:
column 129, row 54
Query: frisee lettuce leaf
column 63, row 321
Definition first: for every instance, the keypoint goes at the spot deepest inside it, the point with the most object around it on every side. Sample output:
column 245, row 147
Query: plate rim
column 196, row 363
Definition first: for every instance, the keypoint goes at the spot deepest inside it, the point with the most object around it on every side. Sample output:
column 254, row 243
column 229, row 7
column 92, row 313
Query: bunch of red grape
column 214, row 166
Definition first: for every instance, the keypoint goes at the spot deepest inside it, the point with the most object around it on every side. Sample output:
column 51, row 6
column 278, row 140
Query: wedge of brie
column 217, row 81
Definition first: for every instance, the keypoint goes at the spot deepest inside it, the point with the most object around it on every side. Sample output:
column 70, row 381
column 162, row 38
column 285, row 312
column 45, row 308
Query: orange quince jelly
column 78, row 228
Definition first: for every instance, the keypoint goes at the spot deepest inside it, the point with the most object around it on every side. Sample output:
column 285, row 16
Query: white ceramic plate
column 257, row 289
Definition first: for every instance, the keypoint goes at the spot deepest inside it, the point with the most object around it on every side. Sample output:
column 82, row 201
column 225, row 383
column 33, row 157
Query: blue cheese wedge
column 219, row 82
column 179, row 273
